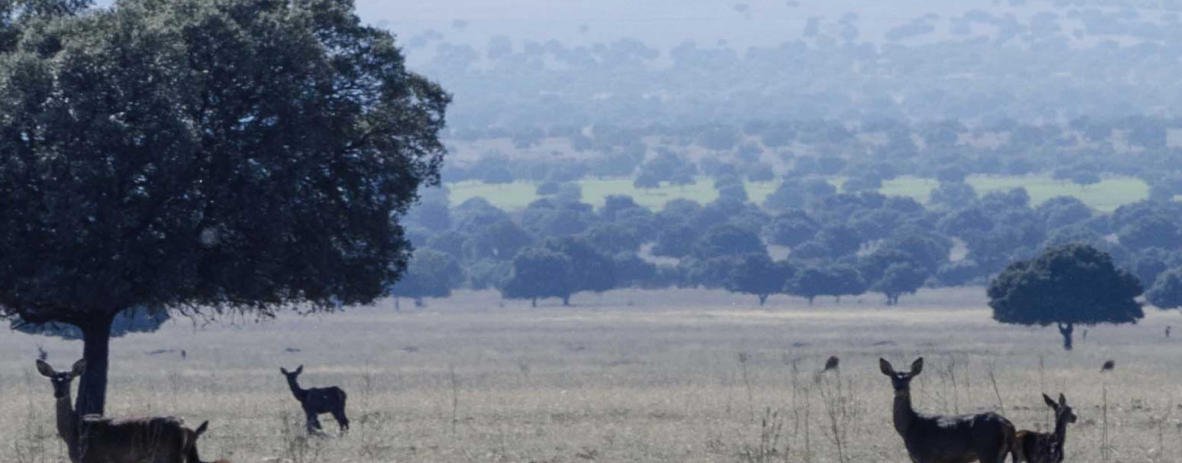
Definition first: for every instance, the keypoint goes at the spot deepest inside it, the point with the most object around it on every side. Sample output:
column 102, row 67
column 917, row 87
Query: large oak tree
column 1069, row 285
column 203, row 158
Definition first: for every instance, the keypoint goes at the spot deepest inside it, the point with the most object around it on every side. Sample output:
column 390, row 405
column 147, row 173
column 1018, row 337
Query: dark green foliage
column 758, row 275
column 540, row 273
column 727, row 240
column 430, row 274
column 789, row 195
column 791, row 228
column 1066, row 285
column 590, row 269
column 965, row 222
column 1151, row 231
column 1166, row 292
column 500, row 240
column 951, row 196
column 898, row 279
column 127, row 322
column 833, row 280
column 839, row 240
column 613, row 204
column 1061, row 211
column 432, row 214
column 611, row 239
column 676, row 241
column 222, row 157
column 632, row 271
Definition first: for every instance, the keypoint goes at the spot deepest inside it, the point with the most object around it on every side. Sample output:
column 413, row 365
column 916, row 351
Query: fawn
column 316, row 401
column 1033, row 447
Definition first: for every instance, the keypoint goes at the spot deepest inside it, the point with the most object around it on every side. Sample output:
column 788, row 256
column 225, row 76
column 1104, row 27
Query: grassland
column 1105, row 196
column 629, row 376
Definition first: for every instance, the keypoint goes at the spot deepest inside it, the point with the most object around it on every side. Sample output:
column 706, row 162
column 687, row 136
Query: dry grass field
column 628, row 376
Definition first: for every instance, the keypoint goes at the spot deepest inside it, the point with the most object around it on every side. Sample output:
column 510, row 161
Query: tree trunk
column 762, row 299
column 566, row 301
column 396, row 307
column 96, row 343
column 533, row 302
column 1066, row 331
column 810, row 301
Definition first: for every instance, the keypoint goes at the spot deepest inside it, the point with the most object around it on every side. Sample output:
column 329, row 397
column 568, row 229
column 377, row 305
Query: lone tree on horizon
column 203, row 158
column 1066, row 285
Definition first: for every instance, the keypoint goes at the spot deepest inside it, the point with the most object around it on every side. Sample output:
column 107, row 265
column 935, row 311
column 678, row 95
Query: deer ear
column 1062, row 400
column 283, row 370
column 45, row 369
column 79, row 368
column 201, row 429
column 886, row 367
column 917, row 366
column 299, row 370
column 1050, row 402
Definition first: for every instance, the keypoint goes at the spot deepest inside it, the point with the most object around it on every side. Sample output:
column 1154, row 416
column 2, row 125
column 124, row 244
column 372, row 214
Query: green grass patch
column 1105, row 196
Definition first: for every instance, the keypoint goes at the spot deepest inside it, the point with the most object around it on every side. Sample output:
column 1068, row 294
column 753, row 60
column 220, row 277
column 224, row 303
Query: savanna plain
column 626, row 376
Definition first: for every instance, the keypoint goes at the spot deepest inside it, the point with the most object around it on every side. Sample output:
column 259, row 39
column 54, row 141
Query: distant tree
column 761, row 172
column 1151, row 231
column 727, row 240
column 540, row 273
column 758, row 275
column 488, row 273
column 433, row 215
column 1085, row 178
column 1061, row 211
column 611, row 239
column 430, row 274
column 613, row 204
column 951, row 196
column 547, row 188
column 792, row 228
column 959, row 273
column 898, row 279
column 832, row 280
column 676, row 241
column 590, row 269
column 1166, row 292
column 966, row 221
column 500, row 240
column 788, row 195
column 840, row 240
column 1067, row 285
column 450, row 242
column 632, row 271
column 647, row 179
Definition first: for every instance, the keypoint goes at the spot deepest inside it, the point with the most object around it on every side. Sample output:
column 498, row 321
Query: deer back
column 137, row 440
column 941, row 438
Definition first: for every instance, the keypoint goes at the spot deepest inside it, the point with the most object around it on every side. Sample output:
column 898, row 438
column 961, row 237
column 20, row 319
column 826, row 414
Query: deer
column 1034, row 447
column 984, row 437
column 317, row 401
column 190, row 451
column 97, row 439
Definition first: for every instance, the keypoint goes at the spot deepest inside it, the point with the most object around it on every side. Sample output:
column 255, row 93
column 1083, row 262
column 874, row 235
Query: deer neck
column 296, row 390
column 1060, row 432
column 67, row 425
column 904, row 415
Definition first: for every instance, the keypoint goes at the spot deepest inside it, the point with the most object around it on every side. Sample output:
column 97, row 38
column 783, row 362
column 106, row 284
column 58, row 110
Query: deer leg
column 342, row 420
column 313, row 422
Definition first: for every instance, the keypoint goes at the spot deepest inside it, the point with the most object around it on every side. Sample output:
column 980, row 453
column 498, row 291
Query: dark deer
column 317, row 401
column 985, row 437
column 1033, row 447
column 191, row 435
column 1108, row 366
column 95, row 439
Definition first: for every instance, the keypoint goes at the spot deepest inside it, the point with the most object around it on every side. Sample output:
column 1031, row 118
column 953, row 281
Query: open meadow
column 1105, row 196
column 627, row 376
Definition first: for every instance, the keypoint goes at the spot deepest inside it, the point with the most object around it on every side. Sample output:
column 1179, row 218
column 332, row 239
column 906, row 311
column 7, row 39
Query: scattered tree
column 1068, row 285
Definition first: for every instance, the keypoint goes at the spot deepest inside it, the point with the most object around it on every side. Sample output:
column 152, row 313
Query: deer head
column 1063, row 412
column 61, row 381
column 292, row 375
column 901, row 381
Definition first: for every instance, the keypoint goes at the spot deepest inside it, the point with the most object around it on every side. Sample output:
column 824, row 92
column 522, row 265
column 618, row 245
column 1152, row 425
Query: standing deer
column 1033, row 447
column 95, row 439
column 984, row 437
column 317, row 401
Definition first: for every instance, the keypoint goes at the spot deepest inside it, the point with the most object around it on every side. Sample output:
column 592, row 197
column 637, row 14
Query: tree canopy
column 205, row 157
column 1067, row 285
